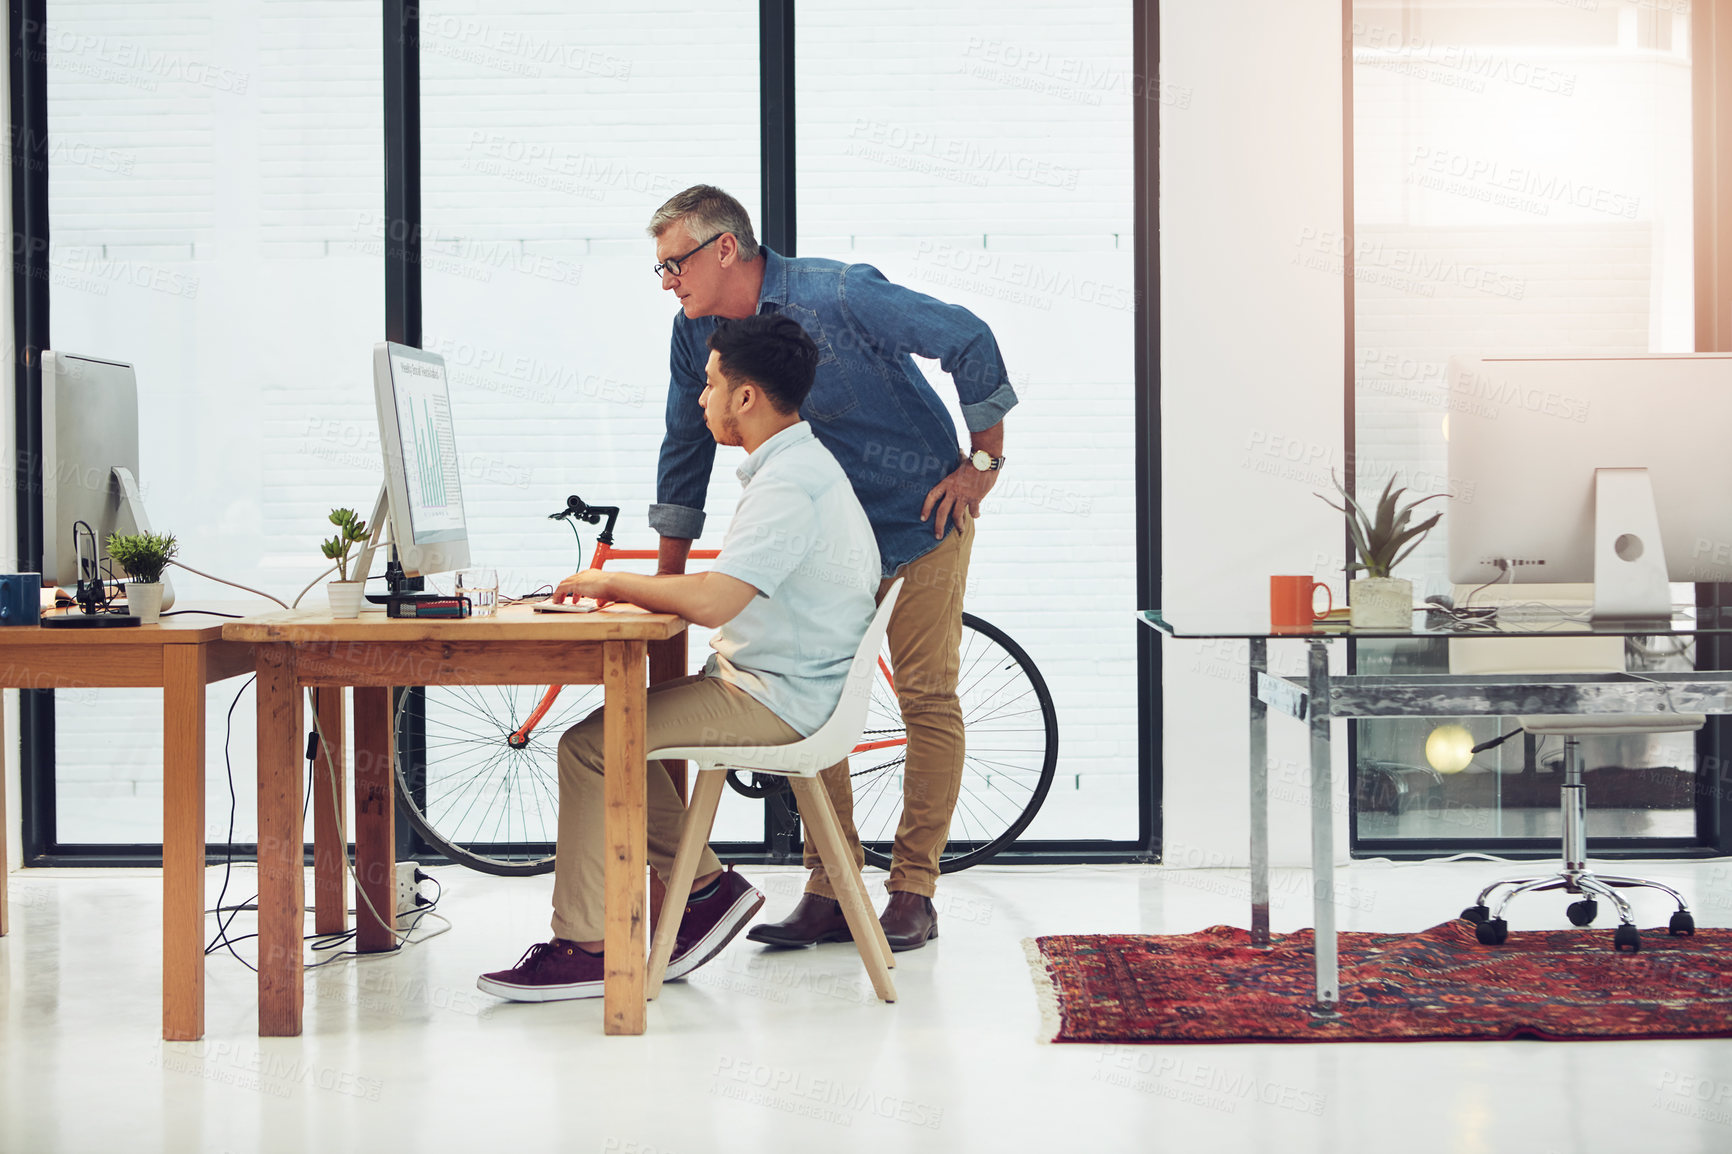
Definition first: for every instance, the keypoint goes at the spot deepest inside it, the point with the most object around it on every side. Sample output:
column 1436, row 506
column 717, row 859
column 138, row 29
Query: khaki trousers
column 925, row 642
column 693, row 710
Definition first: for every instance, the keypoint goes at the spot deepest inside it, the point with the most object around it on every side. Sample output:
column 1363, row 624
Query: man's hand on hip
column 959, row 493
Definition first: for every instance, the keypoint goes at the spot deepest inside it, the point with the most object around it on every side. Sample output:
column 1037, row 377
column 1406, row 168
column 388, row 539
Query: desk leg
column 1259, row 799
column 183, row 681
column 375, row 827
column 330, row 831
column 282, row 880
column 624, row 792
column 5, row 826
column 667, row 661
column 1322, row 834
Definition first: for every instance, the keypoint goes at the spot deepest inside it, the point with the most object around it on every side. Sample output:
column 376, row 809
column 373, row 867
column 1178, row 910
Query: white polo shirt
column 800, row 538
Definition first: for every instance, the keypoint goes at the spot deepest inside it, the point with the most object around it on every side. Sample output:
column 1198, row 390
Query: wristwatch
column 984, row 461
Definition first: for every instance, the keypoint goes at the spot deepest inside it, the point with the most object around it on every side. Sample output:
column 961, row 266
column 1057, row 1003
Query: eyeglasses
column 671, row 266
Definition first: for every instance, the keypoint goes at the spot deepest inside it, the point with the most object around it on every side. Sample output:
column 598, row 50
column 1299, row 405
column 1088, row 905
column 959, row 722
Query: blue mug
column 20, row 598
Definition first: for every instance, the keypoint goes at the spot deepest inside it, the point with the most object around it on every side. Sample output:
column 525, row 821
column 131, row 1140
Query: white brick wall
column 980, row 152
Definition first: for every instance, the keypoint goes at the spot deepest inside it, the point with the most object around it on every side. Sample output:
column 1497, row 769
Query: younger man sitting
column 790, row 597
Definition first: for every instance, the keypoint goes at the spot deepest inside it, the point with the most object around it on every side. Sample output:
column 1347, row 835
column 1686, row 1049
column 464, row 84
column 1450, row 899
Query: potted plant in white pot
column 1383, row 540
column 143, row 556
column 345, row 594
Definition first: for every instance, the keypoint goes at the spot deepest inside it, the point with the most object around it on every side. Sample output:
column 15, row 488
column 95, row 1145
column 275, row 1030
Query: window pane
column 981, row 153
column 214, row 192
column 550, row 134
column 1522, row 184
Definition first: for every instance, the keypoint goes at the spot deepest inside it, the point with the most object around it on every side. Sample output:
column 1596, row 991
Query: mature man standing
column 790, row 598
column 872, row 408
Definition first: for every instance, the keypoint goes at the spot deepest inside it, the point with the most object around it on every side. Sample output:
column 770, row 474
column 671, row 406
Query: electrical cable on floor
column 223, row 940
column 402, row 939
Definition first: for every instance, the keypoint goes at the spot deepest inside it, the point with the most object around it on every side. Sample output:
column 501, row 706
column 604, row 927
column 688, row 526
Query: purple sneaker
column 547, row 972
column 711, row 923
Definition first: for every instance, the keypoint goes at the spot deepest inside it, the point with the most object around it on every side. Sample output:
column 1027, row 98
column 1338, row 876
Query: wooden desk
column 180, row 656
column 373, row 654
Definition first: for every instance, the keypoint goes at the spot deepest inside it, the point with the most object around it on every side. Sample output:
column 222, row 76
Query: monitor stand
column 1629, row 559
column 398, row 586
column 132, row 509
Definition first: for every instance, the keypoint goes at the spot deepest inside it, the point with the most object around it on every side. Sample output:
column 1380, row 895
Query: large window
column 549, row 137
column 214, row 194
column 217, row 206
column 979, row 152
column 1522, row 184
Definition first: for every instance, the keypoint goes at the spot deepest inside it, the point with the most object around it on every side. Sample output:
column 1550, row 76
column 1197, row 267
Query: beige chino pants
column 693, row 710
column 925, row 642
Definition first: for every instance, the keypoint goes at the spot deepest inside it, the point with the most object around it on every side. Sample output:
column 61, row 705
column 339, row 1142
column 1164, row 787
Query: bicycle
column 477, row 766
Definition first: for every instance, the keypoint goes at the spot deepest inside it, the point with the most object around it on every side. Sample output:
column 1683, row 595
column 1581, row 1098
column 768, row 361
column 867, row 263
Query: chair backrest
column 830, row 742
column 842, row 732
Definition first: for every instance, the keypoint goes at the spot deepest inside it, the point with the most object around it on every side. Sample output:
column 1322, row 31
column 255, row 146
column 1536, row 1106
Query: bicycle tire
column 1003, row 695
column 467, row 762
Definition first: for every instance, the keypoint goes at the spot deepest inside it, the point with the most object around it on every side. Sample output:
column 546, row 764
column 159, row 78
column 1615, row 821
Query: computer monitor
column 1552, row 461
column 89, row 461
column 423, row 481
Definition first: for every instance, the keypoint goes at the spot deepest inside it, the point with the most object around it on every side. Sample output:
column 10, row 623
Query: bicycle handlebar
column 576, row 510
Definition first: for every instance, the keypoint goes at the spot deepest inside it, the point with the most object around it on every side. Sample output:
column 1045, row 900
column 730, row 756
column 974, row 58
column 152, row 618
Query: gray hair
column 707, row 211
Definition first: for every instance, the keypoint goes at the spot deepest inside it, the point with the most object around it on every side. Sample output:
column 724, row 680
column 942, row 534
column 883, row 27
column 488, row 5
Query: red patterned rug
column 1437, row 984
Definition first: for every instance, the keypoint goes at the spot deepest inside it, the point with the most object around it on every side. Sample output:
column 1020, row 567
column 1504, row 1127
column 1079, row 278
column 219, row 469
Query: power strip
column 408, row 889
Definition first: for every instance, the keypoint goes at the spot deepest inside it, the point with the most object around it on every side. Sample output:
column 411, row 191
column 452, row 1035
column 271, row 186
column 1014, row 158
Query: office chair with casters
column 1559, row 655
column 800, row 762
column 1576, row 878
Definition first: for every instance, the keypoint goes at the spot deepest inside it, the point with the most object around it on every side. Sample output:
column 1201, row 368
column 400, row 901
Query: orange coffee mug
column 1293, row 601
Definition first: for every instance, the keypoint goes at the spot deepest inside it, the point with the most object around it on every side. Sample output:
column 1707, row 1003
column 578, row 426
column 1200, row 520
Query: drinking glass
column 481, row 586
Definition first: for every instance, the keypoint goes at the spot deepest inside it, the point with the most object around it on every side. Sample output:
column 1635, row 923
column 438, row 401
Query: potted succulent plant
column 143, row 556
column 1382, row 539
column 345, row 595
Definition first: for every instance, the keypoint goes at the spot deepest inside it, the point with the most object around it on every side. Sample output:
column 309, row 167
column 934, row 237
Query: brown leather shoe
column 909, row 921
column 815, row 919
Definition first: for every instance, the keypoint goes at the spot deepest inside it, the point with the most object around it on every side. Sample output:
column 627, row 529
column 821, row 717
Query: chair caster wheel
column 1476, row 914
column 1682, row 925
column 1627, row 938
column 1583, row 913
column 1491, row 932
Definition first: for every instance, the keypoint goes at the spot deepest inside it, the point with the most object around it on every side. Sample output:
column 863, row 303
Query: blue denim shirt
column 870, row 405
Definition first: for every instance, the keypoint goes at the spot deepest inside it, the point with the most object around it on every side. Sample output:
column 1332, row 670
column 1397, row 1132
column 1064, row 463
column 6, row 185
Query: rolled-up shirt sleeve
column 771, row 534
column 899, row 320
column 688, row 449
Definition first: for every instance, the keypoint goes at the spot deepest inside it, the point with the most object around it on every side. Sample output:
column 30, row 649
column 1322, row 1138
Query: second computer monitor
column 1526, row 435
column 423, row 481
column 89, row 430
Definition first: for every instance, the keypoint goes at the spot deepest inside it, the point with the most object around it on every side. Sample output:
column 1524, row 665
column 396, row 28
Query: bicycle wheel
column 473, row 796
column 1011, row 731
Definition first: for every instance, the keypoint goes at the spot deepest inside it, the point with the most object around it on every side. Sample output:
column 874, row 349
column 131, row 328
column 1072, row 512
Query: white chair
column 1571, row 655
column 800, row 762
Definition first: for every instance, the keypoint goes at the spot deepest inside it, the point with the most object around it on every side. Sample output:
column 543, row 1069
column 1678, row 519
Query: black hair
column 773, row 352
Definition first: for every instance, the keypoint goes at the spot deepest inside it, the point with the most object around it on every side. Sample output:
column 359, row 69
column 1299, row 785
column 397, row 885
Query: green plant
column 1379, row 539
column 351, row 531
column 143, row 555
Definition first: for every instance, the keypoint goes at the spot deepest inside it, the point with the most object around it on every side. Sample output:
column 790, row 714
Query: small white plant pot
column 345, row 597
column 1381, row 603
column 144, row 601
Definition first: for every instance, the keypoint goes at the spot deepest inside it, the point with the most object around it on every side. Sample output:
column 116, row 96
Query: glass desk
column 1320, row 696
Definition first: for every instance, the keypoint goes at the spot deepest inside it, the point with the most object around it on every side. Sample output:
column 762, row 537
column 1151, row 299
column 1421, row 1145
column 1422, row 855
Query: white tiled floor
column 764, row 1050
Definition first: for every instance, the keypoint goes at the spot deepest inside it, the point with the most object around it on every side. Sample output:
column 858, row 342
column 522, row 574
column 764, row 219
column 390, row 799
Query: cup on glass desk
column 1293, row 602
column 481, row 586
